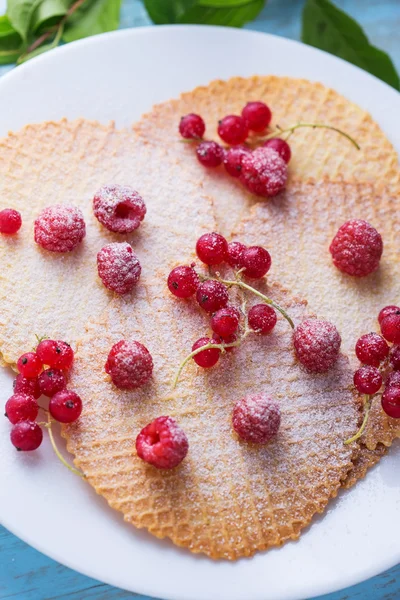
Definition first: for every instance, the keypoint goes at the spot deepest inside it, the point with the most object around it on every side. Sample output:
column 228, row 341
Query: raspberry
column 371, row 349
column 55, row 354
column 183, row 282
column 192, row 127
column 257, row 116
column 388, row 310
column 212, row 295
column 212, row 248
column 257, row 262
column 256, row 418
column 129, row 364
column 119, row 208
column 51, row 381
column 118, row 267
column 162, row 443
column 390, row 328
column 368, row 380
column 233, row 160
column 21, row 407
column 233, row 130
column 356, row 248
column 23, row 385
column 264, row 172
column 208, row 358
column 230, row 339
column 394, row 357
column 65, row 406
column 10, row 221
column 60, row 228
column 209, row 154
column 317, row 344
column 26, row 436
column 391, row 401
column 262, row 318
column 225, row 321
column 393, row 379
column 234, row 255
column 29, row 364
column 281, row 147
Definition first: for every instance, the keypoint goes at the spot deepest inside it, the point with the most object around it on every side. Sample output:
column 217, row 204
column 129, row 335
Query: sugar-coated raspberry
column 257, row 116
column 256, row 418
column 10, row 221
column 394, row 357
column 21, row 407
column 129, row 364
column 212, row 295
column 281, row 147
column 356, row 248
column 209, row 154
column 233, row 160
column 368, row 380
column 118, row 267
column 119, row 208
column 26, row 436
column 371, row 349
column 60, row 228
column 391, row 401
column 393, row 379
column 233, row 130
column 212, row 248
column 317, row 344
column 65, row 406
column 29, row 364
column 262, row 318
column 56, row 354
column 230, row 339
column 225, row 321
column 192, row 127
column 256, row 261
column 183, row 281
column 208, row 358
column 25, row 385
column 234, row 255
column 162, row 443
column 264, row 172
column 51, row 381
column 390, row 328
column 388, row 310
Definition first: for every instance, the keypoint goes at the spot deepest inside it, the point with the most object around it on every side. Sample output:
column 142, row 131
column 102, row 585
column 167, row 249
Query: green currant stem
column 367, row 405
column 313, row 126
column 56, row 450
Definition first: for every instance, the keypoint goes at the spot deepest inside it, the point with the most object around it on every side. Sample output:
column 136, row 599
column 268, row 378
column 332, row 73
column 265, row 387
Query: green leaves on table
column 233, row 13
column 330, row 29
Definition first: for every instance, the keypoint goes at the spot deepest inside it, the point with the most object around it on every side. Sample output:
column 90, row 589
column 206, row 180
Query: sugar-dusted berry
column 357, row 248
column 262, row 318
column 65, row 406
column 25, row 385
column 162, row 443
column 256, row 418
column 192, row 127
column 209, row 154
column 264, row 172
column 29, row 364
column 233, row 160
column 391, row 401
column 119, row 208
column 233, row 130
column 281, row 147
column 10, row 221
column 390, row 328
column 129, row 365
column 60, row 228
column 371, row 349
column 51, row 381
column 234, row 255
column 26, row 436
column 212, row 295
column 225, row 321
column 118, row 267
column 212, row 248
column 368, row 380
column 209, row 357
column 183, row 281
column 21, row 407
column 256, row 262
column 317, row 344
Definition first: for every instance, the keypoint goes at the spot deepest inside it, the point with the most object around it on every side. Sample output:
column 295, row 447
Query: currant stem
column 278, row 133
column 367, row 405
column 56, row 450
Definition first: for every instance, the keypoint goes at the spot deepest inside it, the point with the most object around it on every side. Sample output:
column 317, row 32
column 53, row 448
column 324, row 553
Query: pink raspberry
column 129, row 364
column 119, row 208
column 256, row 418
column 356, row 248
column 118, row 267
column 60, row 228
column 264, row 172
column 317, row 344
column 162, row 443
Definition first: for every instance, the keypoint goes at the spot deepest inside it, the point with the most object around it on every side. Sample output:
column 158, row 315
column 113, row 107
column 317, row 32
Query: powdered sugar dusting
column 119, row 267
column 119, row 208
column 60, row 228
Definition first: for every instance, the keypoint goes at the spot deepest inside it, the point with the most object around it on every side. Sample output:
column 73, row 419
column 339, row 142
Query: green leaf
column 330, row 29
column 94, row 16
column 230, row 13
column 11, row 45
column 20, row 13
column 48, row 14
column 43, row 48
column 167, row 11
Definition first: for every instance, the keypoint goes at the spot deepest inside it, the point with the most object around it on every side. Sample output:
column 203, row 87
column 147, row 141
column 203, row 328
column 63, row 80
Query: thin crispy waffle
column 364, row 461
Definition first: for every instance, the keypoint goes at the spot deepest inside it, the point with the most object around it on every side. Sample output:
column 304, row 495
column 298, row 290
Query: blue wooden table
column 28, row 575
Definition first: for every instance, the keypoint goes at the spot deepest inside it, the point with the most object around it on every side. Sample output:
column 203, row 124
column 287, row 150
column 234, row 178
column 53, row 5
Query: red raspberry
column 29, row 364
column 230, row 339
column 264, row 172
column 192, row 127
column 119, row 208
column 262, row 318
column 371, row 349
column 256, row 418
column 257, row 116
column 317, row 344
column 55, row 354
column 388, row 310
column 118, row 267
column 368, row 380
column 225, row 321
column 390, row 328
column 257, row 262
column 65, row 406
column 21, row 407
column 183, row 282
column 212, row 295
column 281, row 147
column 391, row 401
column 23, row 385
column 51, row 381
column 162, row 443
column 356, row 248
column 393, row 379
column 26, row 436
column 233, row 160
column 208, row 358
column 10, row 221
column 234, row 255
column 60, row 228
column 209, row 154
column 394, row 357
column 233, row 130
column 212, row 248
column 129, row 364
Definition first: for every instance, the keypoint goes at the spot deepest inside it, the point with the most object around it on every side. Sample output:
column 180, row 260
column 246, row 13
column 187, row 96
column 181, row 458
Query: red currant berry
column 257, row 262
column 129, row 364
column 192, row 127
column 209, row 154
column 233, row 160
column 29, row 364
column 234, row 255
column 10, row 221
column 394, row 357
column 26, row 436
column 393, row 379
column 55, row 354
column 264, row 172
column 118, row 267
column 119, row 208
column 390, row 328
column 391, row 401
column 65, row 406
column 212, row 295
column 230, row 339
column 212, row 248
column 60, row 228
column 183, row 282
column 368, row 380
column 225, row 321
column 256, row 418
column 21, row 407
column 233, row 130
column 281, row 147
column 51, row 381
column 356, row 248
column 371, row 349
column 162, row 443
column 262, row 318
column 257, row 116
column 317, row 344
column 388, row 310
column 23, row 385
column 208, row 358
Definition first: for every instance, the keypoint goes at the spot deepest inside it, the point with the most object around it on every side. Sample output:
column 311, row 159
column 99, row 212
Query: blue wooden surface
column 28, row 575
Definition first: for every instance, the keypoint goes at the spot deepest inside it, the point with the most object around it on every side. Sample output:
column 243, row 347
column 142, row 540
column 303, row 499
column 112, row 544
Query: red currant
column 23, row 385
column 388, row 310
column 233, row 130
column 21, row 407
column 391, row 401
column 257, row 116
column 393, row 379
column 390, row 328
column 225, row 321
column 26, row 436
column 368, row 380
column 192, row 127
column 10, row 221
column 212, row 248
column 230, row 339
column 234, row 255
column 209, row 154
column 65, row 406
column 183, row 282
column 257, row 262
column 29, row 364
column 394, row 357
column 262, row 318
column 233, row 160
column 51, row 381
column 281, row 147
column 371, row 349
column 208, row 358
column 56, row 354
column 212, row 295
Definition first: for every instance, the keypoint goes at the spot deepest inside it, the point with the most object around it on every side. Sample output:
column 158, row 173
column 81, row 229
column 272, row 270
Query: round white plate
column 119, row 76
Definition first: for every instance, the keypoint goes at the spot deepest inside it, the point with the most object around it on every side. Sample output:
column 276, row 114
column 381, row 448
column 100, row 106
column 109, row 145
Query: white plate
column 119, row 76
